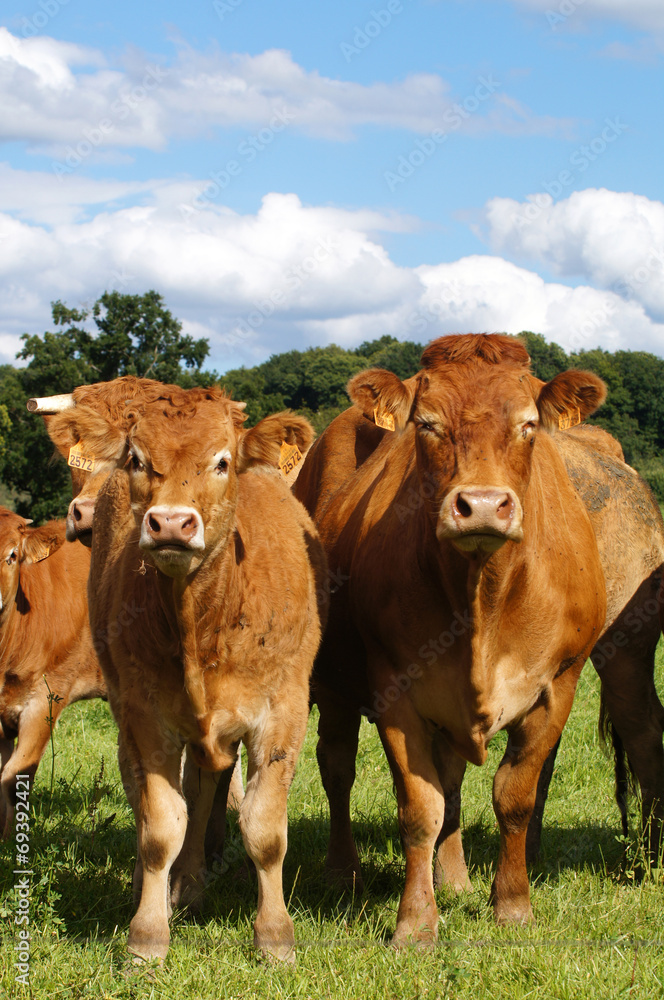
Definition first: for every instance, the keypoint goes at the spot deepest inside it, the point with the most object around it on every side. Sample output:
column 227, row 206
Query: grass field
column 599, row 931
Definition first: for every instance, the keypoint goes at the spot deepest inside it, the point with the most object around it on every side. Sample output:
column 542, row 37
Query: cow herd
column 454, row 548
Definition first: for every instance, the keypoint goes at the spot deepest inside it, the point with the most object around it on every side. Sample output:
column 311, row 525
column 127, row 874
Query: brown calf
column 44, row 634
column 227, row 567
column 468, row 613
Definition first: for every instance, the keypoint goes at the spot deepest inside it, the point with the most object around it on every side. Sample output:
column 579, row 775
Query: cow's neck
column 14, row 631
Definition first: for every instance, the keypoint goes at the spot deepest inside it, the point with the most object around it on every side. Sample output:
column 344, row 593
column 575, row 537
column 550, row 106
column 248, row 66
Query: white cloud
column 645, row 14
column 613, row 239
column 289, row 276
column 143, row 105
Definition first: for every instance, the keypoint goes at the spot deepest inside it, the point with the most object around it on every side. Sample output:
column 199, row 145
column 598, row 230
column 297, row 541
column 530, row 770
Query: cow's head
column 19, row 544
column 183, row 457
column 68, row 418
column 476, row 412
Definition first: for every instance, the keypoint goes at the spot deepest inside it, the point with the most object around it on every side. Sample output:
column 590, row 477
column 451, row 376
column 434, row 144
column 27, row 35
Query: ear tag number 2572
column 290, row 456
column 79, row 460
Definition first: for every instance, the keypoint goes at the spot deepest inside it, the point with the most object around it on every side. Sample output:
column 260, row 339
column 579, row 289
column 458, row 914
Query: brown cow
column 227, row 568
column 630, row 536
column 44, row 635
column 469, row 613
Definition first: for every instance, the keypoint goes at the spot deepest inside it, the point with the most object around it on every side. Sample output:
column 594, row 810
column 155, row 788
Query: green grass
column 599, row 931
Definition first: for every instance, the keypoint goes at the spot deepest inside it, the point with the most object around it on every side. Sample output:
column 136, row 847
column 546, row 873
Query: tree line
column 138, row 335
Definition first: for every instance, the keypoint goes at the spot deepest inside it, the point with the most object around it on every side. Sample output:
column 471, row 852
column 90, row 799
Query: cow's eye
column 528, row 429
column 136, row 463
column 222, row 466
column 424, row 426
column 11, row 558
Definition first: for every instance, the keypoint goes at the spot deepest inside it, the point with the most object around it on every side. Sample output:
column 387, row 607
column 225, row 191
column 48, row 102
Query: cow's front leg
column 264, row 822
column 408, row 744
column 514, row 793
column 450, row 864
column 34, row 733
column 161, row 823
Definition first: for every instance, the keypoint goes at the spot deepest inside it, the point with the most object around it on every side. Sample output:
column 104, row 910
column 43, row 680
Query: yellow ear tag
column 383, row 419
column 78, row 460
column 569, row 419
column 290, row 457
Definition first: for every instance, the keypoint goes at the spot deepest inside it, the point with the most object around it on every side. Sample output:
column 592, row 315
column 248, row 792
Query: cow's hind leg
column 450, row 864
column 202, row 789
column 515, row 790
column 630, row 698
column 338, row 730
column 6, row 804
column 161, row 823
column 264, row 823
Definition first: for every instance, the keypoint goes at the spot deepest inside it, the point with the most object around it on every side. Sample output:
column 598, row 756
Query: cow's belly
column 472, row 710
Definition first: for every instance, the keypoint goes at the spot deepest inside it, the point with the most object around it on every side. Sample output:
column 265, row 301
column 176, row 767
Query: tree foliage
column 136, row 334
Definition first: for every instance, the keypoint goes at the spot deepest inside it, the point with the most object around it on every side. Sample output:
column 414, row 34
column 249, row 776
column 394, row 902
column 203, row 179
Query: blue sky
column 292, row 174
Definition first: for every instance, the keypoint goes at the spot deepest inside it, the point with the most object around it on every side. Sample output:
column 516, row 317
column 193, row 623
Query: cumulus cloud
column 57, row 95
column 290, row 275
column 613, row 239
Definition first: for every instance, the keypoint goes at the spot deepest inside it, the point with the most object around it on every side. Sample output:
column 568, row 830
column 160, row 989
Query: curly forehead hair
column 491, row 348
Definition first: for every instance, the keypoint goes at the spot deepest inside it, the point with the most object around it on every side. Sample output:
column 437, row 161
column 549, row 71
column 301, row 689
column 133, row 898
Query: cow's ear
column 261, row 445
column 569, row 398
column 39, row 543
column 98, row 436
column 383, row 397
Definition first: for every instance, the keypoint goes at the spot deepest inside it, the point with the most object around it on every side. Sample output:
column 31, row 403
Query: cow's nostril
column 463, row 507
column 153, row 524
column 77, row 513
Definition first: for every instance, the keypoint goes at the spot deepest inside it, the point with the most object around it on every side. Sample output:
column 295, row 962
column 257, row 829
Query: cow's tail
column 625, row 777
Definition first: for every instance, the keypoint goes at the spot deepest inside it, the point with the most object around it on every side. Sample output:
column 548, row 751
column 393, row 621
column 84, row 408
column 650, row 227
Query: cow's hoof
column 513, row 914
column 276, row 941
column 146, row 944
